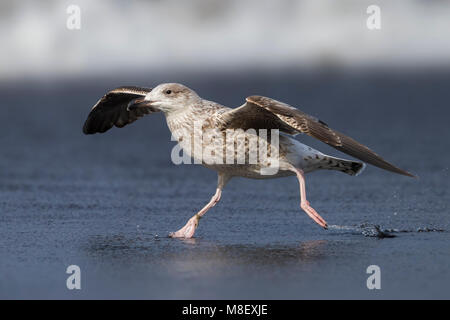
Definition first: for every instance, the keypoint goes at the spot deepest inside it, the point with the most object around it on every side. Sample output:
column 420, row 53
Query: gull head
column 167, row 97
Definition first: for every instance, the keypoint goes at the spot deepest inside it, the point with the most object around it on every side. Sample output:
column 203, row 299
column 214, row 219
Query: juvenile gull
column 183, row 108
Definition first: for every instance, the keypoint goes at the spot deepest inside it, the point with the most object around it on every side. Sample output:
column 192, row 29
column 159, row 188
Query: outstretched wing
column 262, row 112
column 111, row 110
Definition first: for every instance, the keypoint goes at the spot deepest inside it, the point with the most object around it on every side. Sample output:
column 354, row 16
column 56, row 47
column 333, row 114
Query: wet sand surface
column 107, row 202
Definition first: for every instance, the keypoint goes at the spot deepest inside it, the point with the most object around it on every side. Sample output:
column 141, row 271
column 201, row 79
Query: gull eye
column 168, row 91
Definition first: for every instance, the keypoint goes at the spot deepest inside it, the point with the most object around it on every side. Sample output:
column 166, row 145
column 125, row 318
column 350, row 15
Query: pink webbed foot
column 188, row 230
column 314, row 215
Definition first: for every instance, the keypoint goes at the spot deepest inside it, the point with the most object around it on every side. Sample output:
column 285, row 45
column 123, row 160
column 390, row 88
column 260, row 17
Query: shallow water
column 107, row 202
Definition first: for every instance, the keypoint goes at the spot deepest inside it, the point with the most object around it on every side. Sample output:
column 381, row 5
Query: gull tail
column 349, row 167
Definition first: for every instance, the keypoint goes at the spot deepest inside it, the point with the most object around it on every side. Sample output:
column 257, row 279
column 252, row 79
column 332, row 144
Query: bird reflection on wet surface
column 202, row 250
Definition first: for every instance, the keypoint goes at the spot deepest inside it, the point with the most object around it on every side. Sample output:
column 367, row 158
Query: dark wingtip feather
column 111, row 110
column 408, row 174
column 92, row 124
column 404, row 173
column 86, row 128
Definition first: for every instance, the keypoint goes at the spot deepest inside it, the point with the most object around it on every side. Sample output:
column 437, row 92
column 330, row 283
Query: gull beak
column 140, row 103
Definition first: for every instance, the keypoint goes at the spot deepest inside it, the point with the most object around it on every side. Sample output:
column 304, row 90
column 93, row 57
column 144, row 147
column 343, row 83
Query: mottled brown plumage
column 184, row 109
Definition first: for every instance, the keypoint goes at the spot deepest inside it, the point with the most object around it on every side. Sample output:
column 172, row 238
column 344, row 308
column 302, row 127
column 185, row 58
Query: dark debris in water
column 429, row 230
column 375, row 231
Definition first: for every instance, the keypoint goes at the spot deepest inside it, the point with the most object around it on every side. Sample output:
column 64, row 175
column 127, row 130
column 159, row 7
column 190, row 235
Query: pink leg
column 189, row 229
column 304, row 204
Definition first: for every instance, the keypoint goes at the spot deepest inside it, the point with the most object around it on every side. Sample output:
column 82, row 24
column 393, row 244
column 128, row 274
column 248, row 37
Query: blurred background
column 149, row 36
column 107, row 202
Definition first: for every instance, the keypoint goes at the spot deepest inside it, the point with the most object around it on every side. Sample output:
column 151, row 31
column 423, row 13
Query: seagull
column 183, row 108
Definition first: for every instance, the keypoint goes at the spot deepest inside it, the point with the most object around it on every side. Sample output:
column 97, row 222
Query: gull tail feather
column 349, row 167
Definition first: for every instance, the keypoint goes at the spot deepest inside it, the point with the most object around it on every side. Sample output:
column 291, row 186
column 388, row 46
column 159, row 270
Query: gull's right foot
column 188, row 230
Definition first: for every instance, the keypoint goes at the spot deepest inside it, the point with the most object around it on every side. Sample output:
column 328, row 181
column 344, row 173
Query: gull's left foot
column 313, row 214
column 188, row 230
